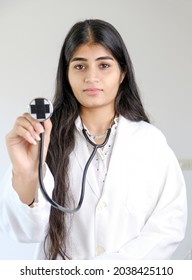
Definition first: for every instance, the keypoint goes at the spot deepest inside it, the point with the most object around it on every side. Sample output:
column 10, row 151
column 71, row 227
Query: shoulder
column 143, row 139
column 141, row 129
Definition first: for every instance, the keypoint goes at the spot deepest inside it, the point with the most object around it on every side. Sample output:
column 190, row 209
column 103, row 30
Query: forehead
column 91, row 51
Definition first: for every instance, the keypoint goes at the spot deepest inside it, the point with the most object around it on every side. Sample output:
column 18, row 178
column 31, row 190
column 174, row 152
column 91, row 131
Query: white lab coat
column 140, row 214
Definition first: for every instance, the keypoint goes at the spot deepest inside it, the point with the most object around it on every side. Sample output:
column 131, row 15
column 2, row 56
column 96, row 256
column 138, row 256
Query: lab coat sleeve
column 19, row 221
column 165, row 227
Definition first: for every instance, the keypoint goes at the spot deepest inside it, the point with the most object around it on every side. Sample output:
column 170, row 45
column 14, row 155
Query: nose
column 91, row 76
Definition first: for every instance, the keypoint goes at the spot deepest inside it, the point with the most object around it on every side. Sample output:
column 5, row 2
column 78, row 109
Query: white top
column 141, row 212
column 103, row 155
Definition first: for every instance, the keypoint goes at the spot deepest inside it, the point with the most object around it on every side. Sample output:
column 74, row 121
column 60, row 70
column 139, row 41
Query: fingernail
column 33, row 141
column 37, row 137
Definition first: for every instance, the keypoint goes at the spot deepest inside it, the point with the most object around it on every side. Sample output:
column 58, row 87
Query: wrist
column 26, row 187
column 30, row 204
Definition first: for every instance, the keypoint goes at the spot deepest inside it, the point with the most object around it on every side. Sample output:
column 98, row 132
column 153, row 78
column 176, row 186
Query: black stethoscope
column 42, row 109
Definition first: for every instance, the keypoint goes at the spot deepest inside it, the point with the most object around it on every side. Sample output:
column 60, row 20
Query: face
column 94, row 76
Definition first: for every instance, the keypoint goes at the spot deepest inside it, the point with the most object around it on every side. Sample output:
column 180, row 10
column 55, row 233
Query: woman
column 135, row 201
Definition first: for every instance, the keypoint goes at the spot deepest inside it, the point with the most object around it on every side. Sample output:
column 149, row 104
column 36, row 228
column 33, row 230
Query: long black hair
column 66, row 110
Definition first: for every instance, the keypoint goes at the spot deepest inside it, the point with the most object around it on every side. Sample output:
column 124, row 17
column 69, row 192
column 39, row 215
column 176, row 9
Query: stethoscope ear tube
column 94, row 144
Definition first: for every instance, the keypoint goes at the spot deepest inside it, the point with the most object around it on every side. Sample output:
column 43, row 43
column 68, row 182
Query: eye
column 104, row 65
column 79, row 67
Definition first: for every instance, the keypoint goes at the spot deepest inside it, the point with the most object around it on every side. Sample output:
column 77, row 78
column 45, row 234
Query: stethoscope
column 42, row 109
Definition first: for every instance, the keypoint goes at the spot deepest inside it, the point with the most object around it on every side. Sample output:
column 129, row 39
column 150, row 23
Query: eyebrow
column 97, row 59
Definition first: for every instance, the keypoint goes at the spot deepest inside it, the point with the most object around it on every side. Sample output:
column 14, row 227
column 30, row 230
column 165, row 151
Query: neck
column 97, row 121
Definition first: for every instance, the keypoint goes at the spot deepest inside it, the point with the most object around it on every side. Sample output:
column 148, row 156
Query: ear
column 122, row 76
column 123, row 73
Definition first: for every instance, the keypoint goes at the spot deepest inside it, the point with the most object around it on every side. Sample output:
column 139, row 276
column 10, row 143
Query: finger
column 45, row 127
column 37, row 126
column 26, row 125
column 25, row 134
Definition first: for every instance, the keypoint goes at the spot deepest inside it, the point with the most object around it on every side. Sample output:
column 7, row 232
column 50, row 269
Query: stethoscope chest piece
column 40, row 109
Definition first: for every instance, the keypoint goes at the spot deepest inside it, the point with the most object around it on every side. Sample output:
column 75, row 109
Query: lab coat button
column 102, row 205
column 100, row 250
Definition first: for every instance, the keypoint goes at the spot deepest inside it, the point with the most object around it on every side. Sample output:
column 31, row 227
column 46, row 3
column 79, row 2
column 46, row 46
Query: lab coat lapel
column 82, row 155
column 121, row 147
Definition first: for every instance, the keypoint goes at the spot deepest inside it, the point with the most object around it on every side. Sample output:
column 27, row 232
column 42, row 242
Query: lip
column 92, row 91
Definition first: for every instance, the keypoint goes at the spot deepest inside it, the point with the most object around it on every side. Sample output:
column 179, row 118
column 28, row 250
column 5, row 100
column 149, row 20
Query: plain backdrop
column 158, row 35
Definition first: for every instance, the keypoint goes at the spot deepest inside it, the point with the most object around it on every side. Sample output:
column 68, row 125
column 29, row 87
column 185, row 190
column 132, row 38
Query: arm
column 21, row 184
column 19, row 221
column 165, row 227
column 23, row 148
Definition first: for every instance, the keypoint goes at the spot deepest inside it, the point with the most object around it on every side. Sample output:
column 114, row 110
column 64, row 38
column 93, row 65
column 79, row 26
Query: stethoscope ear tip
column 40, row 109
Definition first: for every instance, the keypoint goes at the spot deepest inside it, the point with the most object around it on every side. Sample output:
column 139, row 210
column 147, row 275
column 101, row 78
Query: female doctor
column 135, row 201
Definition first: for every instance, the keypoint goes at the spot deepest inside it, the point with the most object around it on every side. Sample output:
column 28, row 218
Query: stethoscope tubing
column 40, row 172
